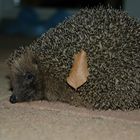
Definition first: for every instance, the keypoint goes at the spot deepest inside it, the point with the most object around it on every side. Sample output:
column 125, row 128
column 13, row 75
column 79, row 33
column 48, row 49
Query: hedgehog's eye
column 29, row 76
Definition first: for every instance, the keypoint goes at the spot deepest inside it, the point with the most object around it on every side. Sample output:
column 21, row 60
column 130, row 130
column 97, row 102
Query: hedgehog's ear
column 79, row 71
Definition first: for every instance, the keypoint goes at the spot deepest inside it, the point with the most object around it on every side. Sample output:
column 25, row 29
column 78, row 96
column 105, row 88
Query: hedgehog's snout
column 13, row 99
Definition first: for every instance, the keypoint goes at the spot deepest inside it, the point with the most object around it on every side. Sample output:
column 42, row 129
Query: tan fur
column 24, row 63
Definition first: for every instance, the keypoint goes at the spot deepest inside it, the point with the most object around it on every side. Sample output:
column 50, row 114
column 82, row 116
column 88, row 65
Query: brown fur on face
column 25, row 78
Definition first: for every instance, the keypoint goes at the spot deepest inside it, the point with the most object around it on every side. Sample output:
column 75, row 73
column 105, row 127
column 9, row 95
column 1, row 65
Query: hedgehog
column 111, row 40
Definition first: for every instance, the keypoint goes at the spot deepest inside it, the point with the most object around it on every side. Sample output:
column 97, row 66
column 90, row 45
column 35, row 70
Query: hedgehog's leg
column 58, row 90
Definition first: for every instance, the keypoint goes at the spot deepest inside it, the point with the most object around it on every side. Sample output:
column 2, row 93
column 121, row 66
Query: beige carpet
column 58, row 121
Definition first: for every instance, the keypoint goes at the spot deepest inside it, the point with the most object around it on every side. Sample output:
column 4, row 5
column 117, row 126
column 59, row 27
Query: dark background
column 73, row 3
column 28, row 21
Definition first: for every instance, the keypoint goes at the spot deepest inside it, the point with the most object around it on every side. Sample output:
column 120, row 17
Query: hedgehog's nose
column 13, row 99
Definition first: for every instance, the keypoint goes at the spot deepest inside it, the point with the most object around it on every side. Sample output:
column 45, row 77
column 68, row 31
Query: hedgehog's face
column 23, row 87
column 25, row 80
